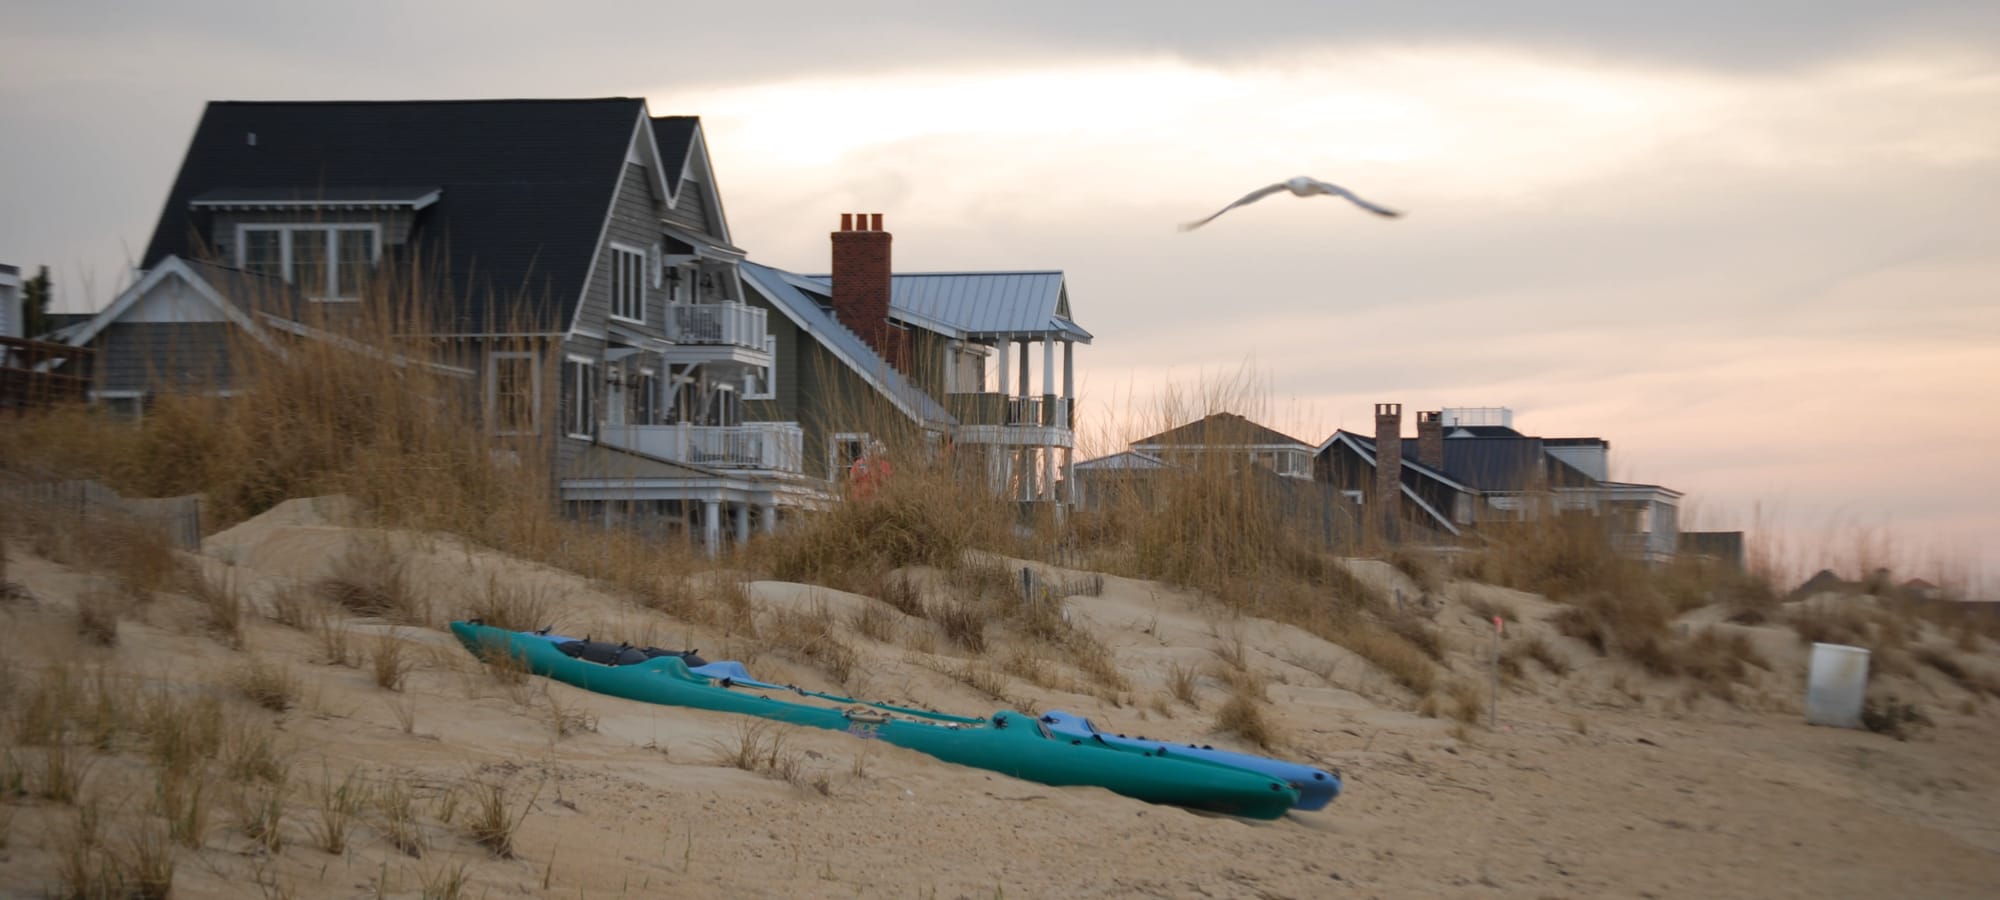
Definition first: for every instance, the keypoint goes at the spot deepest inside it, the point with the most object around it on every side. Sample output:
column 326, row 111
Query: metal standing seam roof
column 782, row 287
column 982, row 304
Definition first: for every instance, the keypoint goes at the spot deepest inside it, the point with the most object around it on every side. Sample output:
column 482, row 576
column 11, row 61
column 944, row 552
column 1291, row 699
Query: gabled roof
column 674, row 135
column 1127, row 460
column 524, row 187
column 1222, row 429
column 1365, row 448
column 982, row 305
column 789, row 294
column 234, row 295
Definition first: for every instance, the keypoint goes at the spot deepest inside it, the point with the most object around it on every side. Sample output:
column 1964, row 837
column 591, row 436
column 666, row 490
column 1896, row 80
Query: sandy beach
column 1601, row 782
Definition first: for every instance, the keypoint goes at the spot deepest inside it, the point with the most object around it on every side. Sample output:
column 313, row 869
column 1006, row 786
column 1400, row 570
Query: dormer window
column 325, row 262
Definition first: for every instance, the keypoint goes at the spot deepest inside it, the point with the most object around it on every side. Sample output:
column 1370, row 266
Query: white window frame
column 767, row 382
column 535, row 389
column 836, row 471
column 582, row 397
column 632, row 308
column 110, row 401
column 326, row 293
column 1360, row 498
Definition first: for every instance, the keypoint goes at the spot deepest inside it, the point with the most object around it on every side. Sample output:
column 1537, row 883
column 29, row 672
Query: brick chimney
column 861, row 284
column 1388, row 465
column 1430, row 439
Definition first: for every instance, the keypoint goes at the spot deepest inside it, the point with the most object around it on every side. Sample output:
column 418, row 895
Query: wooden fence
column 178, row 518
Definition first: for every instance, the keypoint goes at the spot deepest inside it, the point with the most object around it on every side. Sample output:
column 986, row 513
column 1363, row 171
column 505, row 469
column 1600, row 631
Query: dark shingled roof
column 675, row 135
column 525, row 185
column 1220, row 429
column 1481, row 431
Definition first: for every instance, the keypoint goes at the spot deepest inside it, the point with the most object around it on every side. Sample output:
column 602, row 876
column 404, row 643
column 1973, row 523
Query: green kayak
column 1010, row 742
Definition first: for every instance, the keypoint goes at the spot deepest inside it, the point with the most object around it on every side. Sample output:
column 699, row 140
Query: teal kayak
column 1010, row 743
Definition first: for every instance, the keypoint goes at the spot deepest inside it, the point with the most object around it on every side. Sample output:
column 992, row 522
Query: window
column 513, row 393
column 761, row 383
column 580, row 396
column 326, row 262
column 843, row 451
column 642, row 400
column 628, row 283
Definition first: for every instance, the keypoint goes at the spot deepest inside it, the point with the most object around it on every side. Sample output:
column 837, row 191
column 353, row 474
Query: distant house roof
column 1365, row 446
column 1822, row 581
column 794, row 301
column 1494, row 463
column 674, row 135
column 984, row 305
column 1127, row 460
column 1480, row 431
column 523, row 186
column 1220, row 430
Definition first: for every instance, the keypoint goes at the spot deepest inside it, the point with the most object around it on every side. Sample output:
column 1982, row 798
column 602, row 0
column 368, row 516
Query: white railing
column 1039, row 409
column 731, row 324
column 772, row 446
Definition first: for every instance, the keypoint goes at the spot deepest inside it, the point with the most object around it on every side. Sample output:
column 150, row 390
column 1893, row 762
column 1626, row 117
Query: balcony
column 711, row 332
column 763, row 446
column 994, row 418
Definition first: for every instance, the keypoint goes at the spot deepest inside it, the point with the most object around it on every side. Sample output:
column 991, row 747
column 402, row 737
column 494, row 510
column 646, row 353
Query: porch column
column 742, row 523
column 1006, row 349
column 1048, row 471
column 1024, row 369
column 711, row 526
column 768, row 516
column 1069, row 475
column 1069, row 384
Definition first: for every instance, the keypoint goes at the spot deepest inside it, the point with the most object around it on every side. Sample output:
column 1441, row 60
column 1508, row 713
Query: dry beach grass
column 279, row 714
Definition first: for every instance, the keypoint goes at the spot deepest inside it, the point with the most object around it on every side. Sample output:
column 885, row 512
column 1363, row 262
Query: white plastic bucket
column 1835, row 685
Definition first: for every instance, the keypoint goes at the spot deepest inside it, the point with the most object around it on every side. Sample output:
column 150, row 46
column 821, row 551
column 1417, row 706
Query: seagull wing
column 1339, row 191
column 1251, row 197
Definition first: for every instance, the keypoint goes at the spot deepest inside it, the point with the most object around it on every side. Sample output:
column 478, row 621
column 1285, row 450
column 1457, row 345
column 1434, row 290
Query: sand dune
column 1601, row 782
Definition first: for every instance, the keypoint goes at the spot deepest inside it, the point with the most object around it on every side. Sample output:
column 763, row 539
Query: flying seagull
column 1300, row 187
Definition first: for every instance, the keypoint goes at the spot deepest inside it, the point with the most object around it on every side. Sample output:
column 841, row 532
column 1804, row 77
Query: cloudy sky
column 1757, row 250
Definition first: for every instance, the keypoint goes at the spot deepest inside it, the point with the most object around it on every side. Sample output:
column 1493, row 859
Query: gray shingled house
column 575, row 257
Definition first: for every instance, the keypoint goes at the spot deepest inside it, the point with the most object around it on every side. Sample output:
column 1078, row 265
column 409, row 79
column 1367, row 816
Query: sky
column 1758, row 250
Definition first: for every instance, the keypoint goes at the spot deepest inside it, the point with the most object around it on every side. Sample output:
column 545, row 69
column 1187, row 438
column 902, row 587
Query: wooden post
column 1493, row 699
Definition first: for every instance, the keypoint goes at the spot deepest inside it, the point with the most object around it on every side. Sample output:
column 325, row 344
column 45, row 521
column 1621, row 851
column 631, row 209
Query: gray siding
column 566, row 449
column 155, row 356
column 814, row 389
column 692, row 212
column 635, row 214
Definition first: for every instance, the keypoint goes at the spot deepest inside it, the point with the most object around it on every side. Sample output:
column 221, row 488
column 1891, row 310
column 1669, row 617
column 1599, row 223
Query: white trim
column 332, row 231
column 172, row 265
column 768, row 381
column 1441, row 519
column 1369, row 455
column 583, row 392
column 833, row 441
column 395, row 359
column 619, row 252
column 645, row 126
column 412, row 205
column 535, row 389
column 699, row 144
